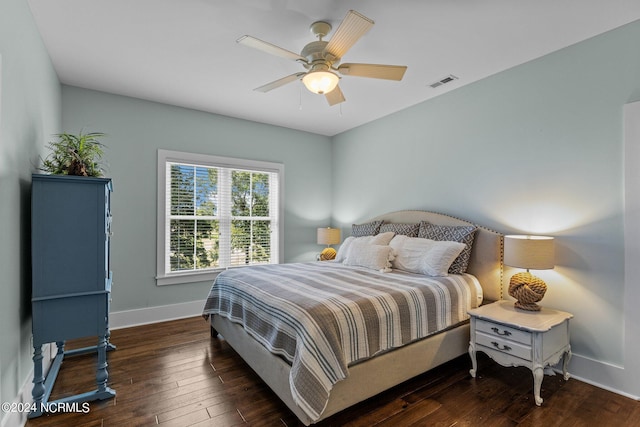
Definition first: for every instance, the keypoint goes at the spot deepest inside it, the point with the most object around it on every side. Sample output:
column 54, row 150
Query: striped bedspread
column 323, row 316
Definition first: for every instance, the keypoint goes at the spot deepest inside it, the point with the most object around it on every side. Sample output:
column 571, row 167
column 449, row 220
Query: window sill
column 181, row 278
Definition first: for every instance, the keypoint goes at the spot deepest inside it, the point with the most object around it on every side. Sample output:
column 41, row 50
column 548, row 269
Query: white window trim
column 165, row 156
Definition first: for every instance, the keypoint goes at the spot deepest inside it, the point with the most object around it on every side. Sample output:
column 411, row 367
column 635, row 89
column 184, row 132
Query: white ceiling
column 184, row 52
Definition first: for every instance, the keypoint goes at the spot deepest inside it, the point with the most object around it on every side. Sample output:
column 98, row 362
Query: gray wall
column 535, row 149
column 29, row 115
column 137, row 129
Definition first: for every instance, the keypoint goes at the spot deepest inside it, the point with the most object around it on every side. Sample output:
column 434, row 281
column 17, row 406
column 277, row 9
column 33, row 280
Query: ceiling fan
column 321, row 59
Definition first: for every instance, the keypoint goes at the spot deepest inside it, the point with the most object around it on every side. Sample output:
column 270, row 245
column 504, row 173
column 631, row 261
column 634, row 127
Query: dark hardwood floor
column 174, row 374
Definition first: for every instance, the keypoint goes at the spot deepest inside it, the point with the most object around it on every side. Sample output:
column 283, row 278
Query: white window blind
column 217, row 213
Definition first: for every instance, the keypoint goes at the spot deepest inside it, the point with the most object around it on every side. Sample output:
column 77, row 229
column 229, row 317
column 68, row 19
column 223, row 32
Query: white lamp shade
column 530, row 252
column 320, row 82
column 328, row 236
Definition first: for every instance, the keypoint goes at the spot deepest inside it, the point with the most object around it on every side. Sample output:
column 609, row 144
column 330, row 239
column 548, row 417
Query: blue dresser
column 71, row 276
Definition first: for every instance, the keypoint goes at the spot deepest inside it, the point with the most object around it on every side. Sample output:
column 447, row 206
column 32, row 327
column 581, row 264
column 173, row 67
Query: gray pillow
column 454, row 233
column 368, row 229
column 410, row 230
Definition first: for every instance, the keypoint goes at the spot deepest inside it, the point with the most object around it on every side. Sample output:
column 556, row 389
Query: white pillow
column 424, row 256
column 376, row 257
column 344, row 248
column 378, row 239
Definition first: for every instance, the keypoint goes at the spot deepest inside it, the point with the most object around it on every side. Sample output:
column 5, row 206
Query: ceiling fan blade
column 280, row 82
column 269, row 48
column 335, row 96
column 352, row 27
column 374, row 71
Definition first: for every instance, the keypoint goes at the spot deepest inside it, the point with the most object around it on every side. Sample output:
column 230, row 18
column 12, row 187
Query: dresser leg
column 102, row 375
column 538, row 375
column 38, row 380
column 110, row 347
column 474, row 362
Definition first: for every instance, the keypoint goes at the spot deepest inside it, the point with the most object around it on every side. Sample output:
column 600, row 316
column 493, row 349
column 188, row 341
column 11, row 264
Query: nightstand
column 513, row 337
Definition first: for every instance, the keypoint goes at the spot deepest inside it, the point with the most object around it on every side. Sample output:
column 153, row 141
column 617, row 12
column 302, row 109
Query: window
column 215, row 213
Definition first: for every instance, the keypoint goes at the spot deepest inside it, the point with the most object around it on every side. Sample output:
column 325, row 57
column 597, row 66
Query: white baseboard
column 145, row 316
column 19, row 419
column 603, row 375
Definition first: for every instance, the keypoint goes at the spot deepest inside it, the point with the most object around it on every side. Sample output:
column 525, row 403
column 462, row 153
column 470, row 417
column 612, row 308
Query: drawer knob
column 504, row 347
column 504, row 333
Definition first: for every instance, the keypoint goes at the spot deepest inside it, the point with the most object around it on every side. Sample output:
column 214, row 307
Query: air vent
column 443, row 81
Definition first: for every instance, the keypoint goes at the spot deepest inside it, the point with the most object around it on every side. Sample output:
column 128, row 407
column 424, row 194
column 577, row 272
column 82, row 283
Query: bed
column 316, row 388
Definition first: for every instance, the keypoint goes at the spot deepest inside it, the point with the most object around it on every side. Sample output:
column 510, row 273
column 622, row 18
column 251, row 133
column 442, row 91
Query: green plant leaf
column 79, row 154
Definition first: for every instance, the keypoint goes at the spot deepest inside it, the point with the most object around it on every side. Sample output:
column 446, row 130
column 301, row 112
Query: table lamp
column 328, row 236
column 530, row 252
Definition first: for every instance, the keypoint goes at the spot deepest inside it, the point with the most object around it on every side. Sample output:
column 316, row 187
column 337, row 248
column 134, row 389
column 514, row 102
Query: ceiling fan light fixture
column 321, row 81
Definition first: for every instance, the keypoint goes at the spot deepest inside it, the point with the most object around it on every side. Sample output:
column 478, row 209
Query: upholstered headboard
column 487, row 251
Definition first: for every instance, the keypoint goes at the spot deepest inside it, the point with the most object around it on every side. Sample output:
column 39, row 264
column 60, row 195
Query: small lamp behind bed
column 328, row 236
column 530, row 252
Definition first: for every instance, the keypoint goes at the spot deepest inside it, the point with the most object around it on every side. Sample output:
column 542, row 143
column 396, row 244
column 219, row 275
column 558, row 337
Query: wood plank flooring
column 174, row 374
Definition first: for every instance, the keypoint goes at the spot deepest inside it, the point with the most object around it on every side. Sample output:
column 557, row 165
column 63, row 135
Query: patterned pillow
column 368, row 229
column 410, row 230
column 455, row 233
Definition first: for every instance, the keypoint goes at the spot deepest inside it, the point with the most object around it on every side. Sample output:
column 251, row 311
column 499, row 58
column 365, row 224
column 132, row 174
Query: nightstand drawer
column 503, row 345
column 502, row 331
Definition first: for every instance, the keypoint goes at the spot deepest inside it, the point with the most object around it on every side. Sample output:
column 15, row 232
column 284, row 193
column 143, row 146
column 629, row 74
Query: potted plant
column 79, row 155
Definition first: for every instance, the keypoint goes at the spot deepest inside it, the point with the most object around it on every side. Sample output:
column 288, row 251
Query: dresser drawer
column 502, row 331
column 504, row 346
